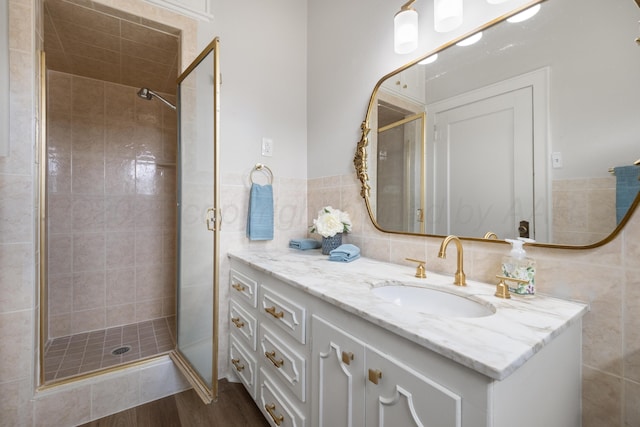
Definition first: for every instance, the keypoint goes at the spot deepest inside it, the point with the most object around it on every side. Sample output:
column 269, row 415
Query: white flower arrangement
column 330, row 222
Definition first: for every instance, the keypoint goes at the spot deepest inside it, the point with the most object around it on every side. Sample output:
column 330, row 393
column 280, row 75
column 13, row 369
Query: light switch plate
column 267, row 147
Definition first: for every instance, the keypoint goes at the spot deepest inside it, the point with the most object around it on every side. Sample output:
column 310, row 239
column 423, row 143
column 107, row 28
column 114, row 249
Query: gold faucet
column 459, row 278
column 420, row 270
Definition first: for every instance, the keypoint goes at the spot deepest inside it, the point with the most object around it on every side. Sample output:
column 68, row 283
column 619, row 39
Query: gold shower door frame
column 196, row 352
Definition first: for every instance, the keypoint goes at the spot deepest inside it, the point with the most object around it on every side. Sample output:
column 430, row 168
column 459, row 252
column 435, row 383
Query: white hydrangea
column 330, row 222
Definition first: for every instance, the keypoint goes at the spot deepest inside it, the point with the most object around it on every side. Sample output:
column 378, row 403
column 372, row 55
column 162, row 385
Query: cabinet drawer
column 243, row 288
column 244, row 365
column 243, row 324
column 278, row 410
column 283, row 361
column 283, row 312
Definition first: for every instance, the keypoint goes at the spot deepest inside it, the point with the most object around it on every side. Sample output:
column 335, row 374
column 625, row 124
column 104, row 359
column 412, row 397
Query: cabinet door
column 338, row 383
column 398, row 396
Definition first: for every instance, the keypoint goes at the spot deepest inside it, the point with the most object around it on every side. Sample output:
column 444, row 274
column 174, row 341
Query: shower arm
column 162, row 99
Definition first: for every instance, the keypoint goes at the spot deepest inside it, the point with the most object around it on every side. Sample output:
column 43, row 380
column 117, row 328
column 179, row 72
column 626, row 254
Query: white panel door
column 494, row 135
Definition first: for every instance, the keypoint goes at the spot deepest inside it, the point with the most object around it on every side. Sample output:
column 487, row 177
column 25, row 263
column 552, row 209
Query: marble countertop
column 494, row 345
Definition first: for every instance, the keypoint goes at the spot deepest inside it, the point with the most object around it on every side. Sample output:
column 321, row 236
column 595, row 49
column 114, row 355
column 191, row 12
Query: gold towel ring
column 263, row 168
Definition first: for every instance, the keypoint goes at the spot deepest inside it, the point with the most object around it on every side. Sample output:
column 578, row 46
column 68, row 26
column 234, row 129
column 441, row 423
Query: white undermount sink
column 432, row 301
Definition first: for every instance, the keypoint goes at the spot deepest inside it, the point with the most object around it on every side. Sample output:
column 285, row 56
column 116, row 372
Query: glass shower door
column 198, row 223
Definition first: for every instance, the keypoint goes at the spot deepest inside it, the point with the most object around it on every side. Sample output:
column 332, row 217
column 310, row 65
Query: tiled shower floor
column 85, row 352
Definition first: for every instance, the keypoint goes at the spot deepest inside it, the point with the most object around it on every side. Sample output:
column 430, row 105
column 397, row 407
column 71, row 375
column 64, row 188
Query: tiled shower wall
column 111, row 200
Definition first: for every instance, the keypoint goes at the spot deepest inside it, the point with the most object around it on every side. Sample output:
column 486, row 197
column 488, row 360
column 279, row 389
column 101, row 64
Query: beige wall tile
column 67, row 407
column 103, row 399
column 16, row 279
column 16, row 405
column 631, row 404
column 16, row 329
column 601, row 399
column 15, row 209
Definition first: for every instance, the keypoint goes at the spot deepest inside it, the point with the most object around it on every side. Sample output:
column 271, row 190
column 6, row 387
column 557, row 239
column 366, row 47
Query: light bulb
column 405, row 31
column 447, row 15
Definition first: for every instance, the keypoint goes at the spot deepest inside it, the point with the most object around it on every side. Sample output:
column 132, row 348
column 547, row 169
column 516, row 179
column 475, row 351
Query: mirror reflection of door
column 198, row 223
column 400, row 168
column 495, row 135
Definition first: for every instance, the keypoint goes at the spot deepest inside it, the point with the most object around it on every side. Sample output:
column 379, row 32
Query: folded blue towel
column 304, row 244
column 345, row 253
column 260, row 215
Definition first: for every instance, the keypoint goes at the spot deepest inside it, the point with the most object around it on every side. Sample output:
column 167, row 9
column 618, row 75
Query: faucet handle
column 502, row 289
column 420, row 270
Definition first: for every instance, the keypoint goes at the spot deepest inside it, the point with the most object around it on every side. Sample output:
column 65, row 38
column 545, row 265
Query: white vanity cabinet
column 268, row 351
column 317, row 364
column 357, row 385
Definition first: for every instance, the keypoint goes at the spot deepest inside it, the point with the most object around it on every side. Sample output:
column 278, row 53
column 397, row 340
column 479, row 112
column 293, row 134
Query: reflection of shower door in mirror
column 198, row 223
column 401, row 167
column 495, row 134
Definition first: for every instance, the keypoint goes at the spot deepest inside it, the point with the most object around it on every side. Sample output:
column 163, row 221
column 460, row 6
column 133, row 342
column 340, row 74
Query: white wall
column 263, row 61
column 350, row 48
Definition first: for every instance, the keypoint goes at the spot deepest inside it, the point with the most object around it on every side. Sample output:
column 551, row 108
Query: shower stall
column 110, row 192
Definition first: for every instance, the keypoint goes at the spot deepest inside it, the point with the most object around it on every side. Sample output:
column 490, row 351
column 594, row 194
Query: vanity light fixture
column 429, row 59
column 525, row 14
column 447, row 15
column 470, row 40
column 405, row 29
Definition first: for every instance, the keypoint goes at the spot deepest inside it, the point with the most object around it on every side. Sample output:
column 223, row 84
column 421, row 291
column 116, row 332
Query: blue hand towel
column 345, row 253
column 304, row 244
column 627, row 187
column 260, row 215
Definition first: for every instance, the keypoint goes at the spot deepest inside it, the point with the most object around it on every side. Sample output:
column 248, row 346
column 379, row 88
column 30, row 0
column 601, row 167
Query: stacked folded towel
column 304, row 244
column 345, row 253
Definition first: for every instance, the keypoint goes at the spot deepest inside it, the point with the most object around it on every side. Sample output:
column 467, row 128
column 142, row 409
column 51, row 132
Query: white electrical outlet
column 267, row 147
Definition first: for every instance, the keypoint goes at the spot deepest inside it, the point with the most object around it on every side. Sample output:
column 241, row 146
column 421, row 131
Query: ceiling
column 89, row 39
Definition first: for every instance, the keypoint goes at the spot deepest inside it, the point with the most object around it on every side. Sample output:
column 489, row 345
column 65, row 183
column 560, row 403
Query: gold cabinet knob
column 347, row 357
column 375, row 375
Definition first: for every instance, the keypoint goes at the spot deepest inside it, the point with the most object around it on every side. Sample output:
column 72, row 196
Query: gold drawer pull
column 272, row 311
column 238, row 287
column 236, row 321
column 272, row 357
column 347, row 357
column 271, row 409
column 236, row 362
column 375, row 375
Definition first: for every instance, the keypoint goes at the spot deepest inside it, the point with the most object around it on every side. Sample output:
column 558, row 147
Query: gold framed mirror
column 530, row 112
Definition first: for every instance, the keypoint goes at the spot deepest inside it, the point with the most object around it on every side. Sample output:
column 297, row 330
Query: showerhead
column 146, row 93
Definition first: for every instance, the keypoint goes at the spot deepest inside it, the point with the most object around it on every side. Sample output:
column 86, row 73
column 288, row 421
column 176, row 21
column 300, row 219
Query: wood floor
column 234, row 408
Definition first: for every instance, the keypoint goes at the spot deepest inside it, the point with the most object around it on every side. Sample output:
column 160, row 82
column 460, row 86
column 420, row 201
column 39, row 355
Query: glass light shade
column 405, row 31
column 525, row 14
column 447, row 15
column 429, row 59
column 470, row 40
